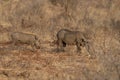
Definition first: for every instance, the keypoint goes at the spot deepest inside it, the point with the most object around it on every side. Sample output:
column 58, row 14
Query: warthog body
column 65, row 36
column 24, row 38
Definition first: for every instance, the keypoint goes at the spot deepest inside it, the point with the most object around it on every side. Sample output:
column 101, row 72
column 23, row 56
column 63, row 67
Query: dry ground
column 19, row 63
column 46, row 65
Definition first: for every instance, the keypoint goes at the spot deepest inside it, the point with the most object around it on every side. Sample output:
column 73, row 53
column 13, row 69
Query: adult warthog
column 65, row 36
column 24, row 38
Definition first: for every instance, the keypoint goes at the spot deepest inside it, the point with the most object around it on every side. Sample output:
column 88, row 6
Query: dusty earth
column 46, row 64
column 19, row 63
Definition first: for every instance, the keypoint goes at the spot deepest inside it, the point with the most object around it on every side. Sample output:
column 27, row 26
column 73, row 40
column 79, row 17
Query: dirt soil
column 46, row 65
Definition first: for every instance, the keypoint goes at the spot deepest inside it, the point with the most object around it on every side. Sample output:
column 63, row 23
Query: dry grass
column 99, row 19
column 45, row 65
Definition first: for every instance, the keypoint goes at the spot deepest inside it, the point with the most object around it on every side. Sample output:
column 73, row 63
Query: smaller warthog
column 24, row 38
column 65, row 36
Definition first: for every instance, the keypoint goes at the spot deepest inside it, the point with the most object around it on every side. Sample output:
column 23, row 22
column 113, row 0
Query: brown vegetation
column 98, row 19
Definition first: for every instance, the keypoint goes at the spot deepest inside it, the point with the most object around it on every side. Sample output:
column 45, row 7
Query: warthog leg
column 60, row 45
column 87, row 46
column 78, row 47
column 33, row 47
column 14, row 43
column 64, row 44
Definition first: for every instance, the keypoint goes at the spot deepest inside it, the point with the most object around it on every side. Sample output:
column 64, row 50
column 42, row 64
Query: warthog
column 24, row 38
column 65, row 36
